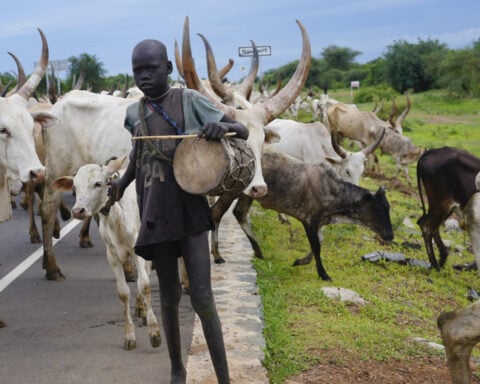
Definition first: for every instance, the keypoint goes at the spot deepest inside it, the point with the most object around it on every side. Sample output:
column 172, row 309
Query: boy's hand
column 213, row 131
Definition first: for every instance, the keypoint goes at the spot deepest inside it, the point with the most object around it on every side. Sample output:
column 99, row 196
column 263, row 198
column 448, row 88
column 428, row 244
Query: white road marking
column 27, row 263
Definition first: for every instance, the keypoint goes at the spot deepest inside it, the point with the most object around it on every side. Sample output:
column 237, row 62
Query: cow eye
column 5, row 132
column 98, row 184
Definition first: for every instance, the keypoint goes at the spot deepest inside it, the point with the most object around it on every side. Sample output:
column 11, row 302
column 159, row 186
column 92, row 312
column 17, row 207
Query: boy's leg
column 196, row 254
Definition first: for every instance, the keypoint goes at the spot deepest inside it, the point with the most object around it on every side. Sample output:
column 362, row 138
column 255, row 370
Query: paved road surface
column 72, row 331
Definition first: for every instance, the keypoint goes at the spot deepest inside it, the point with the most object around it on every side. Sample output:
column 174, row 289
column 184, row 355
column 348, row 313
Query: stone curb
column 240, row 310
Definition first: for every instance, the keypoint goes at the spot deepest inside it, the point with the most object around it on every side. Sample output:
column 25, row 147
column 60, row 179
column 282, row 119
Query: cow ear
column 332, row 160
column 271, row 136
column 115, row 165
column 62, row 184
column 45, row 119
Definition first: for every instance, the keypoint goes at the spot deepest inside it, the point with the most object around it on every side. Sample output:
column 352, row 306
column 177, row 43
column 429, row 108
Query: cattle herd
column 302, row 171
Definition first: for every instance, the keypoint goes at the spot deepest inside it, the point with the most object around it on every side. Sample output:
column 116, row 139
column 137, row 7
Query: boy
column 174, row 223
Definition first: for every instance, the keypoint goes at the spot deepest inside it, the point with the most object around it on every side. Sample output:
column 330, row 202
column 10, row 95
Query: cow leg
column 123, row 290
column 313, row 239
column 240, row 212
column 85, row 241
column 145, row 291
column 48, row 210
column 29, row 202
column 218, row 210
column 472, row 218
column 425, row 226
column 460, row 331
column 308, row 258
column 442, row 249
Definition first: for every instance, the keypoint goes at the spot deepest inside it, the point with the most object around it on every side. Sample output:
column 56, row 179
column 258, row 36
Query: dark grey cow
column 448, row 177
column 315, row 195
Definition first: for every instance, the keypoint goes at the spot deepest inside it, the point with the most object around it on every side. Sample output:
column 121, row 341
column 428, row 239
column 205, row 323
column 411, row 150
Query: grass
column 303, row 327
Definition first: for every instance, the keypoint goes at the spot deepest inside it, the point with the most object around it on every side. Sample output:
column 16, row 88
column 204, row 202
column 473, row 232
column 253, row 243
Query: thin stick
column 170, row 137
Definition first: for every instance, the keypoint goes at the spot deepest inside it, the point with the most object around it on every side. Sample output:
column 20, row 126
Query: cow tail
column 419, row 184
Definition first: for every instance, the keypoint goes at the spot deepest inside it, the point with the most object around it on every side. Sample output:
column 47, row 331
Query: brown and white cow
column 118, row 227
column 17, row 150
column 448, row 177
column 365, row 127
column 315, row 195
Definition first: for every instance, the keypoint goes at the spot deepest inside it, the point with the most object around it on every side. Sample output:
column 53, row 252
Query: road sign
column 263, row 50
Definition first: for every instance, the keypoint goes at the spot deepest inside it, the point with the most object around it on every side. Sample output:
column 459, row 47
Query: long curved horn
column 189, row 72
column 223, row 72
column 405, row 112
column 368, row 150
column 378, row 107
column 215, row 80
column 31, row 84
column 21, row 77
column 338, row 149
column 277, row 104
column 178, row 60
column 5, row 90
column 392, row 114
column 81, row 79
column 246, row 87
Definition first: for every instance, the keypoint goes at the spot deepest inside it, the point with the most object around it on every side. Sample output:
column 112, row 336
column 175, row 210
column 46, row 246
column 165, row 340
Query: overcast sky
column 109, row 29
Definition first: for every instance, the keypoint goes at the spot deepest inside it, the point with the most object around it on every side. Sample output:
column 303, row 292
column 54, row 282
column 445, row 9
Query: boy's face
column 151, row 69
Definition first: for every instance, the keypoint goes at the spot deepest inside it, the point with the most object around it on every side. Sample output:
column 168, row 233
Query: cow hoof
column 55, row 275
column 129, row 345
column 85, row 244
column 35, row 239
column 2, row 324
column 219, row 260
column 156, row 340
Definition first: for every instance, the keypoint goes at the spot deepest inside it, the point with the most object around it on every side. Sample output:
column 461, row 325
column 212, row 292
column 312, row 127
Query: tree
column 91, row 66
column 406, row 64
column 340, row 58
column 459, row 71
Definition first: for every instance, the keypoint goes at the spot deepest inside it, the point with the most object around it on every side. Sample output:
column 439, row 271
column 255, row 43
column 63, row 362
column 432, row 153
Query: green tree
column 406, row 64
column 340, row 58
column 91, row 66
column 459, row 71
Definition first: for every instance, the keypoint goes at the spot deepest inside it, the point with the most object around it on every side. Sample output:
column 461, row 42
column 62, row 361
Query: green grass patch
column 303, row 327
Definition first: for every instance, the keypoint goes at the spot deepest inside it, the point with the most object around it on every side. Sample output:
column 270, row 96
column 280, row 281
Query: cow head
column 91, row 183
column 255, row 116
column 17, row 150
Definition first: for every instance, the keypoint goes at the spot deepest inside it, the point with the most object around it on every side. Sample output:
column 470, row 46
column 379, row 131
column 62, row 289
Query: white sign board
column 263, row 50
column 355, row 84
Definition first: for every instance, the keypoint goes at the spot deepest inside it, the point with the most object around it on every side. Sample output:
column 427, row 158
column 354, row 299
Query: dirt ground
column 430, row 370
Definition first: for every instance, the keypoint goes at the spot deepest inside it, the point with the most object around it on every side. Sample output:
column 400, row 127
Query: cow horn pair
column 26, row 90
column 273, row 106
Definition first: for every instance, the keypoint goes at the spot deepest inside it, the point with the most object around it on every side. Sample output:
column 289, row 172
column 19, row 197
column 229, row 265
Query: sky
column 109, row 29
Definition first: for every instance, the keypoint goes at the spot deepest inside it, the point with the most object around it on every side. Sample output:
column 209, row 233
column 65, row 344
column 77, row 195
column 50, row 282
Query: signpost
column 263, row 50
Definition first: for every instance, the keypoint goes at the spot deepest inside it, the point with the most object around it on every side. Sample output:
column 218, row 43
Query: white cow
column 235, row 104
column 91, row 130
column 17, row 151
column 118, row 226
column 312, row 143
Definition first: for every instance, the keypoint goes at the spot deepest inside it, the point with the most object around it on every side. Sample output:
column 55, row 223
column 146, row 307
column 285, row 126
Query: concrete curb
column 240, row 310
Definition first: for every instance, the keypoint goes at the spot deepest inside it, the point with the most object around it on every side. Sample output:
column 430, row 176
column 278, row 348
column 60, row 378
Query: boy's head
column 151, row 67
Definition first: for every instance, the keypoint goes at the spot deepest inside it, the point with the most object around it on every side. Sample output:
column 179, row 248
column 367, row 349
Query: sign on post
column 263, row 50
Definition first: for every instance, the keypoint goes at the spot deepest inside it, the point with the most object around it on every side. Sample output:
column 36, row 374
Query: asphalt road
column 71, row 331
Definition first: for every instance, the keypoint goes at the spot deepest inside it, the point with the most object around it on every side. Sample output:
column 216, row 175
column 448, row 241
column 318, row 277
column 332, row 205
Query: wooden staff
column 170, row 137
